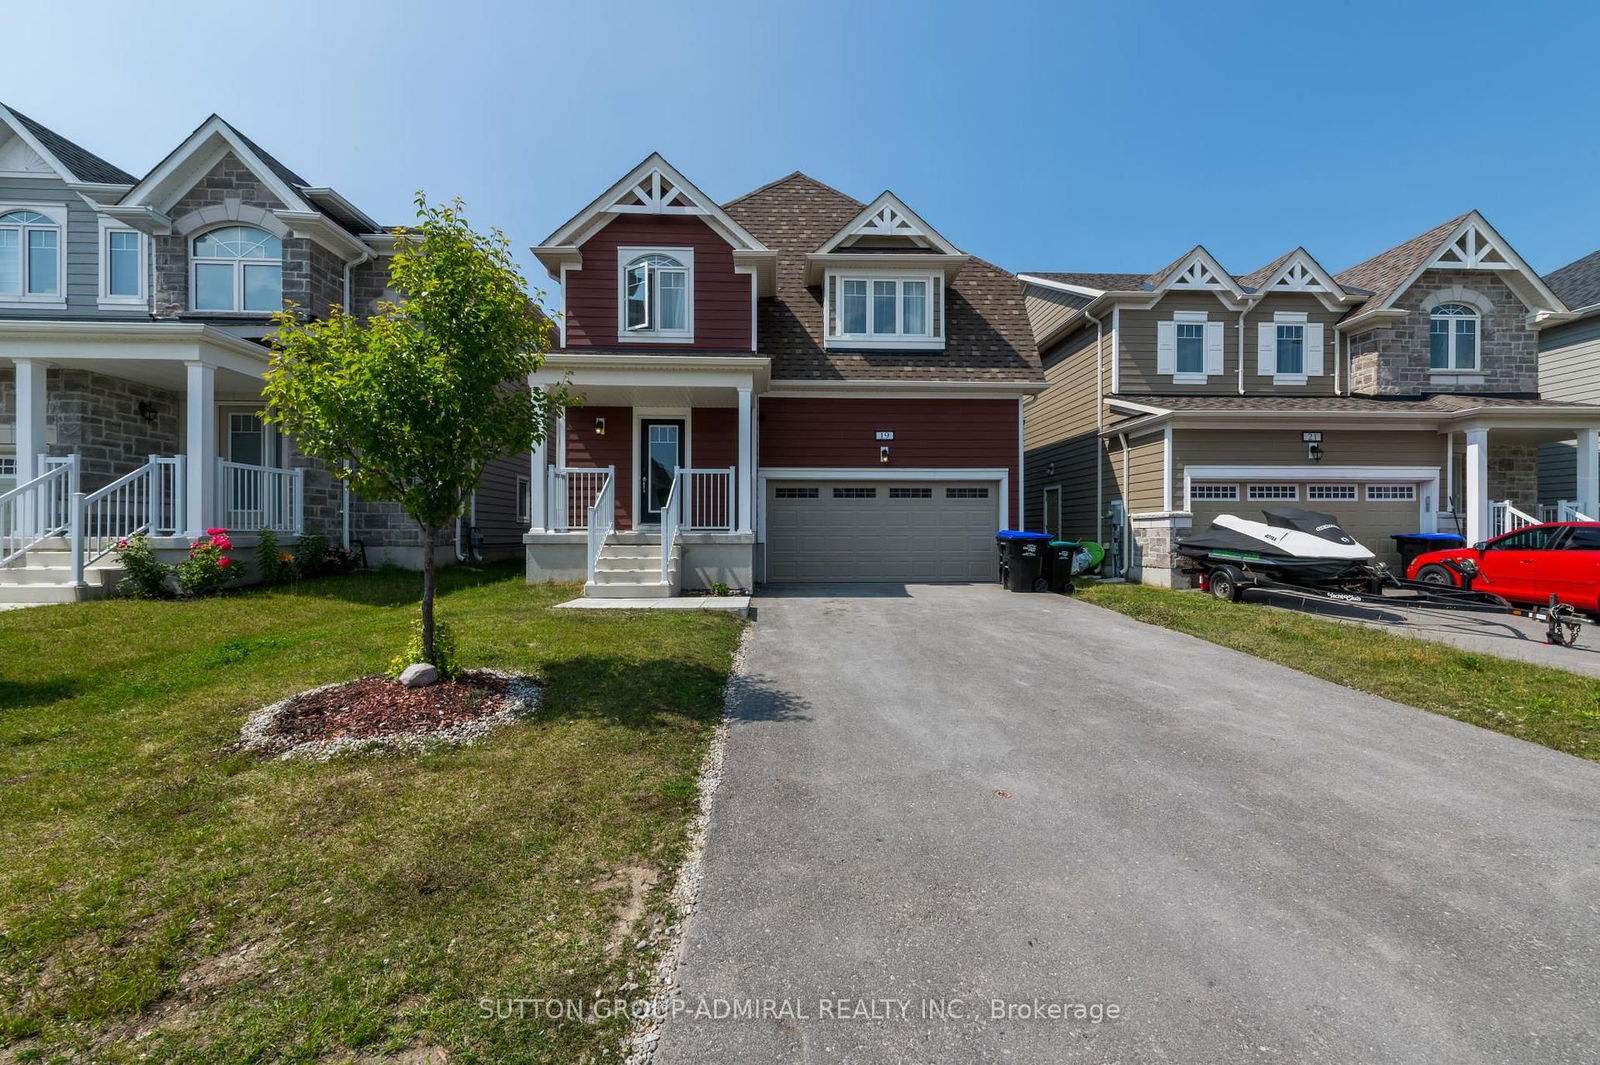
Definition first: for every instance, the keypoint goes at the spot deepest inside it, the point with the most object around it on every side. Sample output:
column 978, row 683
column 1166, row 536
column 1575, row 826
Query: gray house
column 132, row 318
column 1569, row 369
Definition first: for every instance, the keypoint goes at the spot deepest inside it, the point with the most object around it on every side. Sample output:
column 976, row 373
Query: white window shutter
column 1266, row 349
column 1166, row 347
column 1213, row 347
column 1313, row 349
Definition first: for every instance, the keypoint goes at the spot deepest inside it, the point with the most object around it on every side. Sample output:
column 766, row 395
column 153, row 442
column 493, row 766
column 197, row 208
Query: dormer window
column 884, row 311
column 30, row 255
column 656, row 295
column 238, row 268
column 1453, row 338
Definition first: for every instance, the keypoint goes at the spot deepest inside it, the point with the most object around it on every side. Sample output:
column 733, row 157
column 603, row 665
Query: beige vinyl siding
column 1136, row 346
column 1146, row 461
column 1569, row 362
column 1048, row 308
column 1262, row 384
column 1283, row 447
column 1060, row 437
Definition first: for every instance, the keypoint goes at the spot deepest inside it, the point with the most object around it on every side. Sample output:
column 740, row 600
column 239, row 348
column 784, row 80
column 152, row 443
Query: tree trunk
column 428, row 581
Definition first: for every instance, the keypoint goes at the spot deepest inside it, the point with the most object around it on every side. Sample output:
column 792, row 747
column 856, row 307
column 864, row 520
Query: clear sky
column 1067, row 136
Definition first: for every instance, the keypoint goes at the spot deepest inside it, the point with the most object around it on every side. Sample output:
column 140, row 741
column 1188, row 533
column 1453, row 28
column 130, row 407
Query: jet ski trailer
column 1307, row 554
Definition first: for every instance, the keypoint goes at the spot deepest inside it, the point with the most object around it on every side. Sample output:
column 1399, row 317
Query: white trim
column 1076, row 290
column 889, row 210
column 888, row 389
column 60, row 217
column 1166, row 467
column 238, row 265
column 106, row 300
column 866, row 473
column 625, row 258
column 562, row 318
column 1199, row 271
column 654, row 414
column 755, row 302
column 222, row 139
column 929, row 340
column 1425, row 476
column 1116, row 350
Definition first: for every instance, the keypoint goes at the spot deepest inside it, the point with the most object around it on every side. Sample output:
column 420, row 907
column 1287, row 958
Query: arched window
column 655, row 295
column 1453, row 337
column 238, row 268
column 30, row 255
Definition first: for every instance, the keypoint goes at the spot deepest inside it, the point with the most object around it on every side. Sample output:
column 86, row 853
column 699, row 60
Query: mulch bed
column 377, row 711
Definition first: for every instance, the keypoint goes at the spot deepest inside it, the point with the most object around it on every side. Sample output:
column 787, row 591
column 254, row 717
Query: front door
column 660, row 457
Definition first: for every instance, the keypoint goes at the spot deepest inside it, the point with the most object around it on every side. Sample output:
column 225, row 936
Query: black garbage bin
column 1410, row 545
column 1059, row 559
column 1021, row 559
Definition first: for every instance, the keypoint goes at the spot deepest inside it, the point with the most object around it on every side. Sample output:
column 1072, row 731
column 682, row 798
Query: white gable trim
column 888, row 216
column 203, row 149
column 1475, row 245
column 45, row 155
column 1199, row 271
column 655, row 186
column 1302, row 273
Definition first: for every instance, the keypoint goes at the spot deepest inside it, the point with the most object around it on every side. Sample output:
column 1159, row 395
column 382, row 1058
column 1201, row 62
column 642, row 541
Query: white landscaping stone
column 419, row 675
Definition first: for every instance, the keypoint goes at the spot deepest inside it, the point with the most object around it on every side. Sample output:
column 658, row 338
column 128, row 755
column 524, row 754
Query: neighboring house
column 791, row 386
column 1401, row 395
column 1569, row 369
column 132, row 313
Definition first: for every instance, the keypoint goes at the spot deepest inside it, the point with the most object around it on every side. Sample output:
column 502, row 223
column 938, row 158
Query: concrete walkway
column 956, row 825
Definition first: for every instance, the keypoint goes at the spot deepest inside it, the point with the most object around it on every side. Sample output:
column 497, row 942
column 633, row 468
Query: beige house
column 1401, row 394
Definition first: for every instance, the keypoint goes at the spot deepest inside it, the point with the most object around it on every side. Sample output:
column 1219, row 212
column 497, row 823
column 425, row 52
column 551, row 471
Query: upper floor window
column 1453, row 338
column 238, row 268
column 1191, row 354
column 1291, row 349
column 123, row 266
column 657, row 288
column 1188, row 348
column 884, row 311
column 30, row 255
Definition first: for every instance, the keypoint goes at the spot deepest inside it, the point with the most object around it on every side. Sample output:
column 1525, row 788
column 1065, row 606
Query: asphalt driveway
column 957, row 824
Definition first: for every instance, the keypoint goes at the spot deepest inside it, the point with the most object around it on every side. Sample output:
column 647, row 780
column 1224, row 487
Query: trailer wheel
column 1227, row 584
column 1433, row 574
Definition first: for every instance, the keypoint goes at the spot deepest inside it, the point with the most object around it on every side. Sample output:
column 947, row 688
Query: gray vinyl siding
column 81, row 238
column 1558, row 471
column 1061, row 440
column 1569, row 362
column 496, row 515
column 1136, row 346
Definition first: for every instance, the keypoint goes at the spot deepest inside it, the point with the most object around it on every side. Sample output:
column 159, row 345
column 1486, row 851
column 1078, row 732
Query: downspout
column 1250, row 305
column 344, row 509
column 1127, row 525
column 1099, row 425
column 1338, row 357
column 349, row 284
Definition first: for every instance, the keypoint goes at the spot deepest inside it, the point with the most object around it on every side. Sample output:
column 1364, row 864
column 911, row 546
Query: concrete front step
column 634, row 574
column 629, row 590
column 94, row 575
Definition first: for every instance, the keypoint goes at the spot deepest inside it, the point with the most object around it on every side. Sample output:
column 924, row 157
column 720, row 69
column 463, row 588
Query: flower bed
column 377, row 712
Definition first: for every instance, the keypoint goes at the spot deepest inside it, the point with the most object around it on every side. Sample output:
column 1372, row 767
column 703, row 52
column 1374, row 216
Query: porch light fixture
column 1313, row 442
column 599, row 427
column 883, row 453
column 148, row 412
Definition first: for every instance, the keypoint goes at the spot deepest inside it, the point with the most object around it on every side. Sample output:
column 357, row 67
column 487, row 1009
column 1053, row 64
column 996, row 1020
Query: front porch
column 647, row 489
column 1491, row 473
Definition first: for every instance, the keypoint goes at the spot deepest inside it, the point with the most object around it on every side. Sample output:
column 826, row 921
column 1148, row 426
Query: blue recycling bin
column 1021, row 558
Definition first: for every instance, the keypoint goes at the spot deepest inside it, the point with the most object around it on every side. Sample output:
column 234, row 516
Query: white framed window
column 1273, row 493
column 524, row 499
column 123, row 265
column 911, row 493
column 881, row 310
column 655, row 294
column 966, row 493
column 1453, row 337
column 8, row 473
column 1385, row 493
column 33, row 262
column 237, row 268
column 1331, row 493
column 1216, row 493
column 786, row 491
column 1291, row 349
column 855, row 492
column 1189, row 348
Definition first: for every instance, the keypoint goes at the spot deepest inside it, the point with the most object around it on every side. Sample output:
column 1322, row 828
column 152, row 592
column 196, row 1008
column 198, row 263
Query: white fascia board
column 889, row 199
column 554, row 256
column 817, row 264
column 333, row 197
column 1062, row 286
column 906, row 389
column 314, row 225
column 37, row 145
column 708, row 208
column 210, row 142
column 145, row 219
column 1137, row 408
column 134, row 341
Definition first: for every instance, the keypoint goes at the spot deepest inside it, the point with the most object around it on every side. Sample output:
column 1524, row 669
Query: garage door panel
column 1370, row 521
column 887, row 531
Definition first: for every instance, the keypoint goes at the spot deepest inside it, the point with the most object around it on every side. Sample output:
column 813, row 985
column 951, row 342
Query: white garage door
column 881, row 530
column 1369, row 511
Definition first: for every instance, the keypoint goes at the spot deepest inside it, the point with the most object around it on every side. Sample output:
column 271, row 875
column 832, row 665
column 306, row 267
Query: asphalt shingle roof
column 1384, row 273
column 1435, row 404
column 1577, row 284
column 273, row 164
column 84, row 164
column 987, row 334
column 1102, row 281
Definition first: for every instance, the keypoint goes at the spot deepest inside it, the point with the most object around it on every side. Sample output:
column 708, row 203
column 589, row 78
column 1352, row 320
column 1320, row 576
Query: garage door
column 881, row 530
column 1370, row 511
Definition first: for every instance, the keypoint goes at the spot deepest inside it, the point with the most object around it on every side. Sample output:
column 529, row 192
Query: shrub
column 444, row 650
column 144, row 576
column 315, row 557
column 274, row 564
column 208, row 569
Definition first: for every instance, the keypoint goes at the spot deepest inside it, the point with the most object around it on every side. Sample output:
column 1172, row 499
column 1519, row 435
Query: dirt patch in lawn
column 377, row 712
column 633, row 884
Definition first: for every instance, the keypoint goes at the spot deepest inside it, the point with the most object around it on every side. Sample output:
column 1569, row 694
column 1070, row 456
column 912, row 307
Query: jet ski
column 1291, row 545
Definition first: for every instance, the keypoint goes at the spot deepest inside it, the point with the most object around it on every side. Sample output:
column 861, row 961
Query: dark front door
column 660, row 456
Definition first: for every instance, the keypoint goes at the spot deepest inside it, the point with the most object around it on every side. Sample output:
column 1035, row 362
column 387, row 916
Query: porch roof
column 153, row 353
column 1442, row 411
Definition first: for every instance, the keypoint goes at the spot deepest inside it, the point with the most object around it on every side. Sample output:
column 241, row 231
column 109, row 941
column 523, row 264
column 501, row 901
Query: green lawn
column 162, row 899
column 1535, row 703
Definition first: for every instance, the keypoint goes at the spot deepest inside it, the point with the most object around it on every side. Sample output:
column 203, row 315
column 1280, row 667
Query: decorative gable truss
column 18, row 157
column 1299, row 272
column 888, row 223
column 654, row 193
column 1197, row 271
column 1475, row 248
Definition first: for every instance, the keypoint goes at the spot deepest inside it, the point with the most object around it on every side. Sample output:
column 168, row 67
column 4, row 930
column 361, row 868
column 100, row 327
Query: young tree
column 410, row 405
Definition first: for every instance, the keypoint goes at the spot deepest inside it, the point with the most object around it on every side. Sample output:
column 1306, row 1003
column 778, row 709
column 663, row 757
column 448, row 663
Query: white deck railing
column 671, row 519
column 149, row 500
column 1564, row 510
column 708, row 500
column 599, row 519
column 573, row 493
column 39, row 509
column 1507, row 518
column 252, row 498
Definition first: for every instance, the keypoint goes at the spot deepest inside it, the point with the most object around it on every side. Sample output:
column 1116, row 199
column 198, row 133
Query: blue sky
column 1064, row 136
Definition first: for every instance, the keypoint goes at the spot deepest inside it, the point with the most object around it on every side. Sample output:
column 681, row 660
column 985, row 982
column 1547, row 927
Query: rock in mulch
column 378, row 712
column 419, row 675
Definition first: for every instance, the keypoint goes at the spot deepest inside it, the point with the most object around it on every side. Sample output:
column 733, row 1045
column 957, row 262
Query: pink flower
column 216, row 532
column 222, row 542
column 122, row 545
column 224, row 563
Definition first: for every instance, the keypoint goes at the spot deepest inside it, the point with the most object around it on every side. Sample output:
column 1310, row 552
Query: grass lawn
column 162, row 899
column 1535, row 703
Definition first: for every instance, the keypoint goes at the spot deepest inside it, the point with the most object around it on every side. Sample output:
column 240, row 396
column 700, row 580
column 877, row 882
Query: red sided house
column 792, row 386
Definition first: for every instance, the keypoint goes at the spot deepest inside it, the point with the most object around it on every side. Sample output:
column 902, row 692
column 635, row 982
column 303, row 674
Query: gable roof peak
column 888, row 218
column 71, row 160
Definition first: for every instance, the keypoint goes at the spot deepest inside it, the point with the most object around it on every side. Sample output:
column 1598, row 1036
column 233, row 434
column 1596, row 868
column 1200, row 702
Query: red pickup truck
column 1526, row 565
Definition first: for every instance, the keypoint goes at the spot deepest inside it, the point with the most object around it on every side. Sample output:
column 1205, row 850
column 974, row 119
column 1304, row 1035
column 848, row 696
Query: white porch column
column 200, row 409
column 539, row 482
column 1589, row 472
column 30, row 418
column 746, row 488
column 1477, row 487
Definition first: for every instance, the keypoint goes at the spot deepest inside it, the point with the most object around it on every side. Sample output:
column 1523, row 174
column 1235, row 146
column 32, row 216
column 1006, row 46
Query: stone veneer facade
column 1392, row 359
column 99, row 417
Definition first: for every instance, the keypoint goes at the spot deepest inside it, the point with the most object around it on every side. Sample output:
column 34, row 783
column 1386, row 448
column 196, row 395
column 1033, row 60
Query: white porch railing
column 1564, row 510
column 1507, row 518
column 252, row 498
column 149, row 500
column 599, row 519
column 573, row 492
column 708, row 499
column 39, row 509
column 671, row 520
